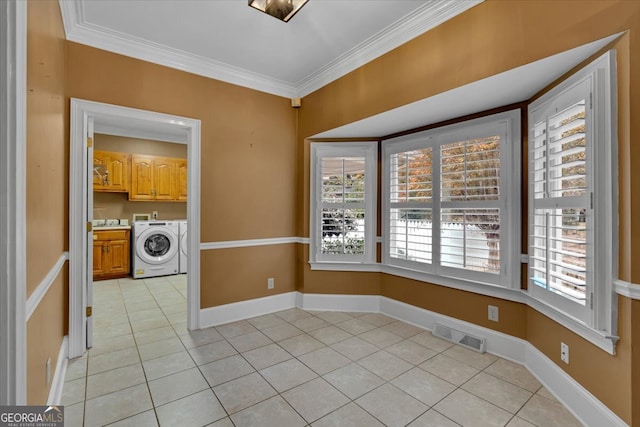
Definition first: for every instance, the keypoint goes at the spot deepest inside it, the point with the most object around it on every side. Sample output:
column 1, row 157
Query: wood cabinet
column 111, row 254
column 158, row 178
column 110, row 171
column 181, row 182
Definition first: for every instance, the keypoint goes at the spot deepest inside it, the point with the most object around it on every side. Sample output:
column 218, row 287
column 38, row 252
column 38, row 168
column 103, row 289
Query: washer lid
column 156, row 245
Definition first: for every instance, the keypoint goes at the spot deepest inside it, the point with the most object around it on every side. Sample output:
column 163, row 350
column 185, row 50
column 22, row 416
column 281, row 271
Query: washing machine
column 155, row 248
column 182, row 226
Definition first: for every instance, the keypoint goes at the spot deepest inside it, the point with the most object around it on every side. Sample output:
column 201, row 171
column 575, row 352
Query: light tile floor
column 291, row 368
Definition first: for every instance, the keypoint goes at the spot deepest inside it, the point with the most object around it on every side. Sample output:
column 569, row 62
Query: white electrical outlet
column 154, row 215
column 494, row 313
column 564, row 352
column 270, row 283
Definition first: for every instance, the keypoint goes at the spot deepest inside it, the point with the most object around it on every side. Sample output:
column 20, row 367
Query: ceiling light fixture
column 281, row 9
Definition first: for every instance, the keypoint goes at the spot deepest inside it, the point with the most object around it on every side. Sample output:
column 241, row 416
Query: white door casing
column 124, row 121
column 88, row 196
column 13, row 116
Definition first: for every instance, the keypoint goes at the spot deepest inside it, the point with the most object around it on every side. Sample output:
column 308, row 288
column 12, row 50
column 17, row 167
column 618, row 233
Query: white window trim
column 368, row 150
column 601, row 328
column 509, row 202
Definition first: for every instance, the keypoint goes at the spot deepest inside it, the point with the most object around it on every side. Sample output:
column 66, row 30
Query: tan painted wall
column 47, row 181
column 117, row 205
column 493, row 37
column 459, row 304
column 607, row 377
column 123, row 144
column 238, row 274
column 45, row 330
column 248, row 169
column 47, row 152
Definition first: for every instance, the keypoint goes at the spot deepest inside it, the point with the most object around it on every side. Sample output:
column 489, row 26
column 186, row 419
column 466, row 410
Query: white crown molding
column 627, row 289
column 79, row 31
column 421, row 20
column 430, row 15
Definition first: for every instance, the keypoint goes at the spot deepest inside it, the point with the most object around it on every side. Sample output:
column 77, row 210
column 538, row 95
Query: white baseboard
column 584, row 406
column 503, row 345
column 368, row 303
column 244, row 309
column 57, row 385
column 578, row 400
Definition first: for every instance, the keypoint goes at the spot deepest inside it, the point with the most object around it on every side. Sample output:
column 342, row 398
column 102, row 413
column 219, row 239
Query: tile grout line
column 288, row 319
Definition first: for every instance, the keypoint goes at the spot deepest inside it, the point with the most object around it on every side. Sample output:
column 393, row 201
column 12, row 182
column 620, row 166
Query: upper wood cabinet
column 157, row 178
column 110, row 171
column 181, row 183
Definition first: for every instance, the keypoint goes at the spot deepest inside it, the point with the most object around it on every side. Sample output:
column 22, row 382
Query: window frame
column 369, row 151
column 509, row 202
column 599, row 319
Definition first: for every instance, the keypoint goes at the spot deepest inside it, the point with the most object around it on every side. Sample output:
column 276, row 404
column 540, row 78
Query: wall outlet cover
column 493, row 313
column 564, row 353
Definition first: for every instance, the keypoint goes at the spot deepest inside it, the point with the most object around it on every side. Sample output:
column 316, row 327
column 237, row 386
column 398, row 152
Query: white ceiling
column 230, row 41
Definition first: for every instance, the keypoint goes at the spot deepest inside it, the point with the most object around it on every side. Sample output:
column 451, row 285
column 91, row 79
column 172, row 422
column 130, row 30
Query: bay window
column 451, row 200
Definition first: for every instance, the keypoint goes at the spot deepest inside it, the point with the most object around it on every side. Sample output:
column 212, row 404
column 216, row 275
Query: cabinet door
column 99, row 267
column 111, row 171
column 118, row 167
column 99, row 169
column 111, row 257
column 181, row 180
column 141, row 178
column 164, row 177
column 118, row 254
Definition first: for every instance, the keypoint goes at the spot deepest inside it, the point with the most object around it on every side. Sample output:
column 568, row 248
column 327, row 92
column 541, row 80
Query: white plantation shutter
column 343, row 194
column 561, row 217
column 445, row 211
column 471, row 202
column 411, row 204
column 343, row 205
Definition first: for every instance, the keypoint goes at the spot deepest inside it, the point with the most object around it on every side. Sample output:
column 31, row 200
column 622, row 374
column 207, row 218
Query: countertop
column 112, row 227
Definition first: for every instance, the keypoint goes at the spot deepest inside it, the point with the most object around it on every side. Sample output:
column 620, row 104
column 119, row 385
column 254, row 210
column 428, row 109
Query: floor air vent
column 471, row 342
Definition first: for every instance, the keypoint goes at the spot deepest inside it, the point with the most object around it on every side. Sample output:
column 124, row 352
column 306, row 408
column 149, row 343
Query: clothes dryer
column 155, row 248
column 183, row 245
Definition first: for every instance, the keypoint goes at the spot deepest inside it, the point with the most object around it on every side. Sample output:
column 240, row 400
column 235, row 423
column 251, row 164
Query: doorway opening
column 89, row 118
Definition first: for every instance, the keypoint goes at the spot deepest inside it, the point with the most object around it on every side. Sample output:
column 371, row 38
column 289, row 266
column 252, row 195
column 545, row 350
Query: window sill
column 345, row 266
